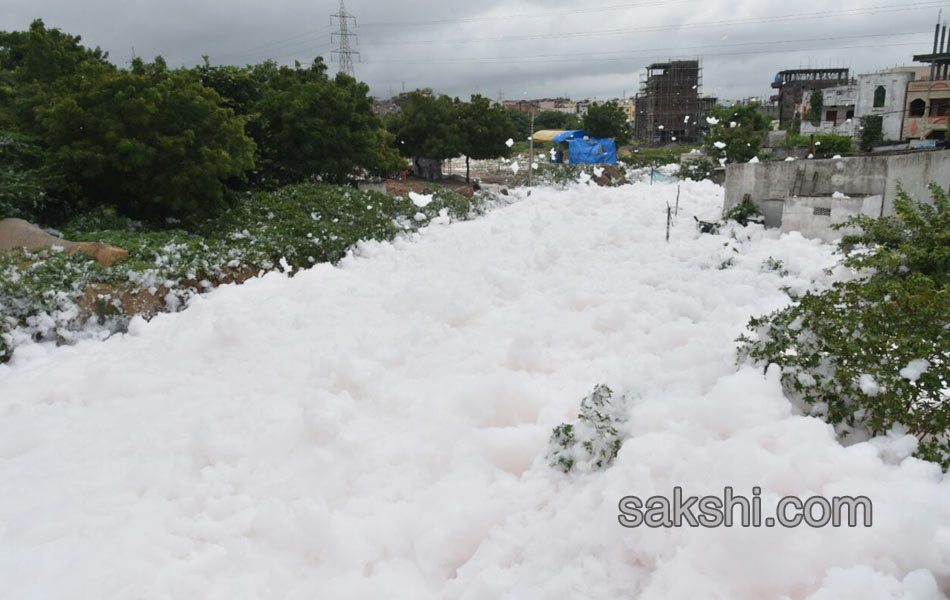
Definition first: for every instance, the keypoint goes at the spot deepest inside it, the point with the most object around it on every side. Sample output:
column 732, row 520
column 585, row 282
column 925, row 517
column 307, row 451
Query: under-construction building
column 669, row 107
column 791, row 86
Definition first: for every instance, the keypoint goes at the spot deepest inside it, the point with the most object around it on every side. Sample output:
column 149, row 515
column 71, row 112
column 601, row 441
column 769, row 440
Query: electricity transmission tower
column 344, row 53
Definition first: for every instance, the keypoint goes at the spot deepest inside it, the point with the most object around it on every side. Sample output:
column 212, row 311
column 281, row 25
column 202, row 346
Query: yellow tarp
column 547, row 135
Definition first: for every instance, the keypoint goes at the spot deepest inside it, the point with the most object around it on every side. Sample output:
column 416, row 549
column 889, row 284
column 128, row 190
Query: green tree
column 522, row 124
column 815, row 108
column 153, row 143
column 872, row 132
column 305, row 124
column 427, row 126
column 36, row 64
column 607, row 120
column 322, row 128
column 554, row 119
column 738, row 132
column 485, row 129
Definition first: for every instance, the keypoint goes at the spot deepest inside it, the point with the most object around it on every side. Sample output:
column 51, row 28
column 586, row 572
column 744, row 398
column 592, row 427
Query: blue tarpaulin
column 593, row 151
column 568, row 135
column 587, row 150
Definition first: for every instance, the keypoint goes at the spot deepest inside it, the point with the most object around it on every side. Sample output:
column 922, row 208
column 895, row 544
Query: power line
column 680, row 49
column 654, row 56
column 509, row 17
column 706, row 24
column 344, row 53
column 278, row 44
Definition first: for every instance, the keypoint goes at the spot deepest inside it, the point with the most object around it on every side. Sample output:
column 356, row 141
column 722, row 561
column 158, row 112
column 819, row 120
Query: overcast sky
column 524, row 49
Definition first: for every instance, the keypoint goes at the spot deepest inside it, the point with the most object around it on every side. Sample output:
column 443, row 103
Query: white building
column 884, row 94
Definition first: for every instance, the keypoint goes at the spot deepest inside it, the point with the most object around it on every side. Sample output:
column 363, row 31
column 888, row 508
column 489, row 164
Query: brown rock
column 17, row 233
column 105, row 254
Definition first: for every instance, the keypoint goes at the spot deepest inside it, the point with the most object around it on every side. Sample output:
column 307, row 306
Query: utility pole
column 531, row 149
column 344, row 52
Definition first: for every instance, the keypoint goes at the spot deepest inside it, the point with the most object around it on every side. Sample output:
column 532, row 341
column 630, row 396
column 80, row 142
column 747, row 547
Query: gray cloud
column 521, row 49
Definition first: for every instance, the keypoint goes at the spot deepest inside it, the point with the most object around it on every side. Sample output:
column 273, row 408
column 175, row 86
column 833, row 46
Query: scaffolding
column 669, row 107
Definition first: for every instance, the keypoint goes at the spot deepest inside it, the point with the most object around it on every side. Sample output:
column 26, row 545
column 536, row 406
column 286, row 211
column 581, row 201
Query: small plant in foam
column 593, row 442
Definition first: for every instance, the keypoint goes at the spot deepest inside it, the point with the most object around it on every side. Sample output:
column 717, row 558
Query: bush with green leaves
column 873, row 354
column 26, row 178
column 695, row 169
column 592, row 443
column 737, row 134
column 294, row 227
column 916, row 239
column 871, row 132
column 823, row 145
column 743, row 213
column 655, row 157
column 816, row 105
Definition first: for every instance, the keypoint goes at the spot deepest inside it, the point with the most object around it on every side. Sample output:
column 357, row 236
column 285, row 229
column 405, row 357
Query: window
column 880, row 96
column 832, row 115
column 821, row 212
column 850, row 114
column 917, row 108
column 940, row 107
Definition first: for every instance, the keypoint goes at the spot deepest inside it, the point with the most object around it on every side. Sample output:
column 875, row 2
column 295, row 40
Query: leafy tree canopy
column 484, row 129
column 427, row 125
column 553, row 119
column 153, row 143
column 736, row 132
column 607, row 120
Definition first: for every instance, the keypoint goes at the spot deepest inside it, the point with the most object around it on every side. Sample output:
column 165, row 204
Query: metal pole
column 669, row 219
column 531, row 149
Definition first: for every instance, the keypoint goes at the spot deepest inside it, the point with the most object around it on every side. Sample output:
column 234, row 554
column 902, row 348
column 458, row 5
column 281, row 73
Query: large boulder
column 17, row 233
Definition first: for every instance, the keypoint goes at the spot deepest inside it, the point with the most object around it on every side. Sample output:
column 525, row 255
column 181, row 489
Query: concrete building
column 811, row 195
column 927, row 115
column 928, row 110
column 837, row 113
column 791, row 86
column 881, row 94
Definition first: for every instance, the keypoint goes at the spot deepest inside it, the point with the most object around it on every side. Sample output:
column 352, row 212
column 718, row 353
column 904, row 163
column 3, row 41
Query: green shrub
column 822, row 145
column 293, row 227
column 655, row 157
column 871, row 354
column 916, row 239
column 871, row 133
column 816, row 107
column 738, row 133
column 775, row 265
column 26, row 179
column 743, row 213
column 696, row 169
column 593, row 442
